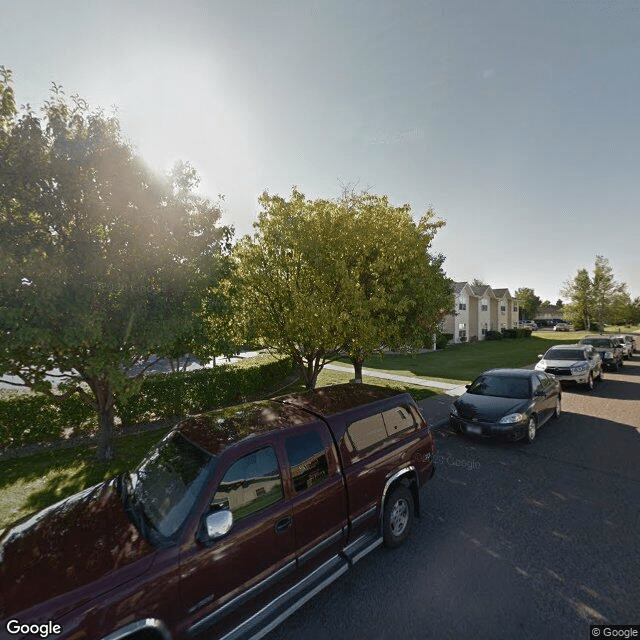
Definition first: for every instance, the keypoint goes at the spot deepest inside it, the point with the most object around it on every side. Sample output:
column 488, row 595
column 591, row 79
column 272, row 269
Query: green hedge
column 36, row 418
column 163, row 397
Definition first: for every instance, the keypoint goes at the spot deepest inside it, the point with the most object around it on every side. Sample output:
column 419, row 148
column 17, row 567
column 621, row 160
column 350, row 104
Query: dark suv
column 609, row 349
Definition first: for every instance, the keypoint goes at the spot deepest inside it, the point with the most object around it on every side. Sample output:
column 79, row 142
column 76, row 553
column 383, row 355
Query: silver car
column 628, row 344
column 572, row 363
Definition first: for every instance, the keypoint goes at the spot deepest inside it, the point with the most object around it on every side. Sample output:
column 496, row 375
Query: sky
column 517, row 122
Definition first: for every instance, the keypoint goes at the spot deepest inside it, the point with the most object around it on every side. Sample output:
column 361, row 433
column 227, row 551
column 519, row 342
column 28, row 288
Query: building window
column 462, row 306
column 503, row 309
column 483, row 307
column 515, row 307
column 462, row 333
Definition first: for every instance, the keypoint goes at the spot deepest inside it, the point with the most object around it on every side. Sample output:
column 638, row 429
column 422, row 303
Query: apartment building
column 479, row 309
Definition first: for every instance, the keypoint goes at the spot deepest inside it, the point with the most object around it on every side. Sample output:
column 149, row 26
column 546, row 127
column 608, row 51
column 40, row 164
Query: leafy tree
column 323, row 277
column 529, row 303
column 604, row 288
column 101, row 261
column 579, row 309
column 287, row 291
column 401, row 292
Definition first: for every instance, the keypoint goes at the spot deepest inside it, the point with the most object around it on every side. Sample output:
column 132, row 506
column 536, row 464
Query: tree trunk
column 357, row 367
column 105, row 401
column 106, row 444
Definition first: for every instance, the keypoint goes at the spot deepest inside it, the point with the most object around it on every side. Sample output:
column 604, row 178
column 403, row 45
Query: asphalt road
column 515, row 540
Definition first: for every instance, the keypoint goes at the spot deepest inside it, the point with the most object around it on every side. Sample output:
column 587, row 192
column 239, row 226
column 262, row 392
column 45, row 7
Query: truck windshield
column 162, row 490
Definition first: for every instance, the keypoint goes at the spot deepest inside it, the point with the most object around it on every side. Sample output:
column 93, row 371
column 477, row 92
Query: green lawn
column 33, row 482
column 463, row 362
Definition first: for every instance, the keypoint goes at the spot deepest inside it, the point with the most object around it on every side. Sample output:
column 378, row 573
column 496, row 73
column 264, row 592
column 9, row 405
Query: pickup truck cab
column 233, row 521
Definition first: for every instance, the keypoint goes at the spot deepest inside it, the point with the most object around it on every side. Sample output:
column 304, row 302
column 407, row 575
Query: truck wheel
column 398, row 516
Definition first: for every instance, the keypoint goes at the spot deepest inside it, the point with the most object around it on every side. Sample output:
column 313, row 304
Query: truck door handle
column 283, row 524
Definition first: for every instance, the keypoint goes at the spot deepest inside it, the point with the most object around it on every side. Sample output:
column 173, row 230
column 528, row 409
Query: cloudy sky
column 519, row 122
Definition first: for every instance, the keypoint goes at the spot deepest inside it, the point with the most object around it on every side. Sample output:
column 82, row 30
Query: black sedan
column 509, row 403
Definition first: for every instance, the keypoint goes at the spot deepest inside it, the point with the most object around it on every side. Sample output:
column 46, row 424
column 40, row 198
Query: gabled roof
column 481, row 291
column 502, row 293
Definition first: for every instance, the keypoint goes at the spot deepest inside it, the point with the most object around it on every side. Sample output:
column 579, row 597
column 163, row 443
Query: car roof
column 518, row 373
column 221, row 428
column 328, row 401
column 569, row 346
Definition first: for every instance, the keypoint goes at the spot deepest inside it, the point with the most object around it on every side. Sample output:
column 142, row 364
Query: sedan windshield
column 164, row 487
column 501, row 386
column 565, row 354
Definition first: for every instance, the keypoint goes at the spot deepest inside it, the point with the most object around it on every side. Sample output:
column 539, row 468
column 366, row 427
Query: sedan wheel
column 531, row 430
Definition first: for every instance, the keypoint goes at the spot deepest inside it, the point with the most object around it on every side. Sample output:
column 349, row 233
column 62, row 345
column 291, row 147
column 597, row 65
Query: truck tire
column 398, row 516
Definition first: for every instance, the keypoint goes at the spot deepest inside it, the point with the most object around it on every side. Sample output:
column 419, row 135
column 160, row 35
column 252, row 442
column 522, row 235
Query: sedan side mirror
column 540, row 356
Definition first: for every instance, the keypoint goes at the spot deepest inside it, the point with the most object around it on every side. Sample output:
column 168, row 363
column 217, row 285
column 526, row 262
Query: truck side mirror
column 216, row 525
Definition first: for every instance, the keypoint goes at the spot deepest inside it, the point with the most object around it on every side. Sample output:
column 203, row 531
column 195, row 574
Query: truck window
column 397, row 420
column 251, row 484
column 308, row 459
column 367, row 432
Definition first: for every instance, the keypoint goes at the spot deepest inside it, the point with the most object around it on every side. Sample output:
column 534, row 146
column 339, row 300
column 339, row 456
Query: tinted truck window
column 377, row 428
column 308, row 459
column 397, row 420
column 251, row 484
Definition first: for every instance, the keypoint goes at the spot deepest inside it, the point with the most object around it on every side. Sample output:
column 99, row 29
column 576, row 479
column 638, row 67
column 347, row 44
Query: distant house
column 479, row 309
column 549, row 315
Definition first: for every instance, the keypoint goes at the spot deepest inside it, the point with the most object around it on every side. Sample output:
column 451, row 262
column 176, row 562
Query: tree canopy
column 321, row 277
column 597, row 297
column 102, row 262
column 529, row 302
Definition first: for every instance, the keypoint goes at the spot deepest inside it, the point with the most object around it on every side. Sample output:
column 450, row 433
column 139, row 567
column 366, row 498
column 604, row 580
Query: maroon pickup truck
column 232, row 522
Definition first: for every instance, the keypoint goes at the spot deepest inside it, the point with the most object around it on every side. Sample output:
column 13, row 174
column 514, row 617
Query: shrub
column 509, row 333
column 164, row 397
column 523, row 333
column 493, row 335
column 37, row 418
column 34, row 418
column 443, row 339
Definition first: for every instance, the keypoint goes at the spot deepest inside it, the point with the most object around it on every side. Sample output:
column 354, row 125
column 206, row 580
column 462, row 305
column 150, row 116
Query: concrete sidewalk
column 434, row 408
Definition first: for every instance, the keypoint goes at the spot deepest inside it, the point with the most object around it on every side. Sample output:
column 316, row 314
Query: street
column 515, row 540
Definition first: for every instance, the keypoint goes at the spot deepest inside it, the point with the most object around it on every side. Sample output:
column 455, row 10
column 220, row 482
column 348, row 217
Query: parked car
column 630, row 339
column 572, row 363
column 232, row 522
column 508, row 403
column 563, row 326
column 610, row 350
column 627, row 346
column 528, row 324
